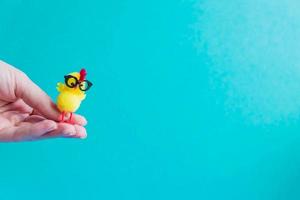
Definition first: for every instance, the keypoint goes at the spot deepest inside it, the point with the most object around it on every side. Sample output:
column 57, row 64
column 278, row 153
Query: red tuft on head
column 82, row 74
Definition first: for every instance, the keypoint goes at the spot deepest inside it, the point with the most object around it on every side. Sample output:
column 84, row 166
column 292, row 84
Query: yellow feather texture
column 69, row 99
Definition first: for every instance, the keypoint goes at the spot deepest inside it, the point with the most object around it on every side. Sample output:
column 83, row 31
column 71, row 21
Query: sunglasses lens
column 71, row 81
column 85, row 85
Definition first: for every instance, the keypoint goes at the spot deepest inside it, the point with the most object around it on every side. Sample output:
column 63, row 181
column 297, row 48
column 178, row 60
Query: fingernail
column 84, row 122
column 83, row 136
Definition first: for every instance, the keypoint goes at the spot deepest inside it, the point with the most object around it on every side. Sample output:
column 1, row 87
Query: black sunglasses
column 72, row 82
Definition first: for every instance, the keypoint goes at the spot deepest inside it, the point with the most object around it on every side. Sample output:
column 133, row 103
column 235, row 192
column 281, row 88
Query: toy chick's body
column 68, row 100
column 72, row 93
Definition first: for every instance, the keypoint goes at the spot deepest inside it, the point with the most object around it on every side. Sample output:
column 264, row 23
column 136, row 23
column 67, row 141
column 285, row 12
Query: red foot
column 62, row 118
column 70, row 121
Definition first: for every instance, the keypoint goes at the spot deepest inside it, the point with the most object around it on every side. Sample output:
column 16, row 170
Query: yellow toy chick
column 72, row 93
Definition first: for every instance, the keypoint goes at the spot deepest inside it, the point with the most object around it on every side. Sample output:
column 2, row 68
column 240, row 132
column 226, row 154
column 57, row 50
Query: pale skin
column 27, row 113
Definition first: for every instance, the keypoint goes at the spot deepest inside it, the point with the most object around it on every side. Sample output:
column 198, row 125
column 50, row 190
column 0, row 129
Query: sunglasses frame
column 67, row 77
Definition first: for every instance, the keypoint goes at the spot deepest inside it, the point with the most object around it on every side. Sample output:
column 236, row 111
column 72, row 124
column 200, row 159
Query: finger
column 27, row 131
column 35, row 112
column 15, row 117
column 35, row 97
column 34, row 118
column 5, row 123
column 63, row 130
column 80, row 132
column 18, row 105
column 67, row 131
column 77, row 119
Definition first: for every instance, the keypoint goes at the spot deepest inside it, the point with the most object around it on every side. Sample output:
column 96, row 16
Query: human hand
column 27, row 112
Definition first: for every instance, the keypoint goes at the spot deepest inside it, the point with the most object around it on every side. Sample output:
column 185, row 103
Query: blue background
column 191, row 99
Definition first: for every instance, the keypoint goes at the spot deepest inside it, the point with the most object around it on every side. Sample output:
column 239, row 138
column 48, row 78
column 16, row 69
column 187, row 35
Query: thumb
column 35, row 97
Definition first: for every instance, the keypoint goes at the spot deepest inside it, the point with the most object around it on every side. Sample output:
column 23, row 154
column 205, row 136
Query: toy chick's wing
column 60, row 87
